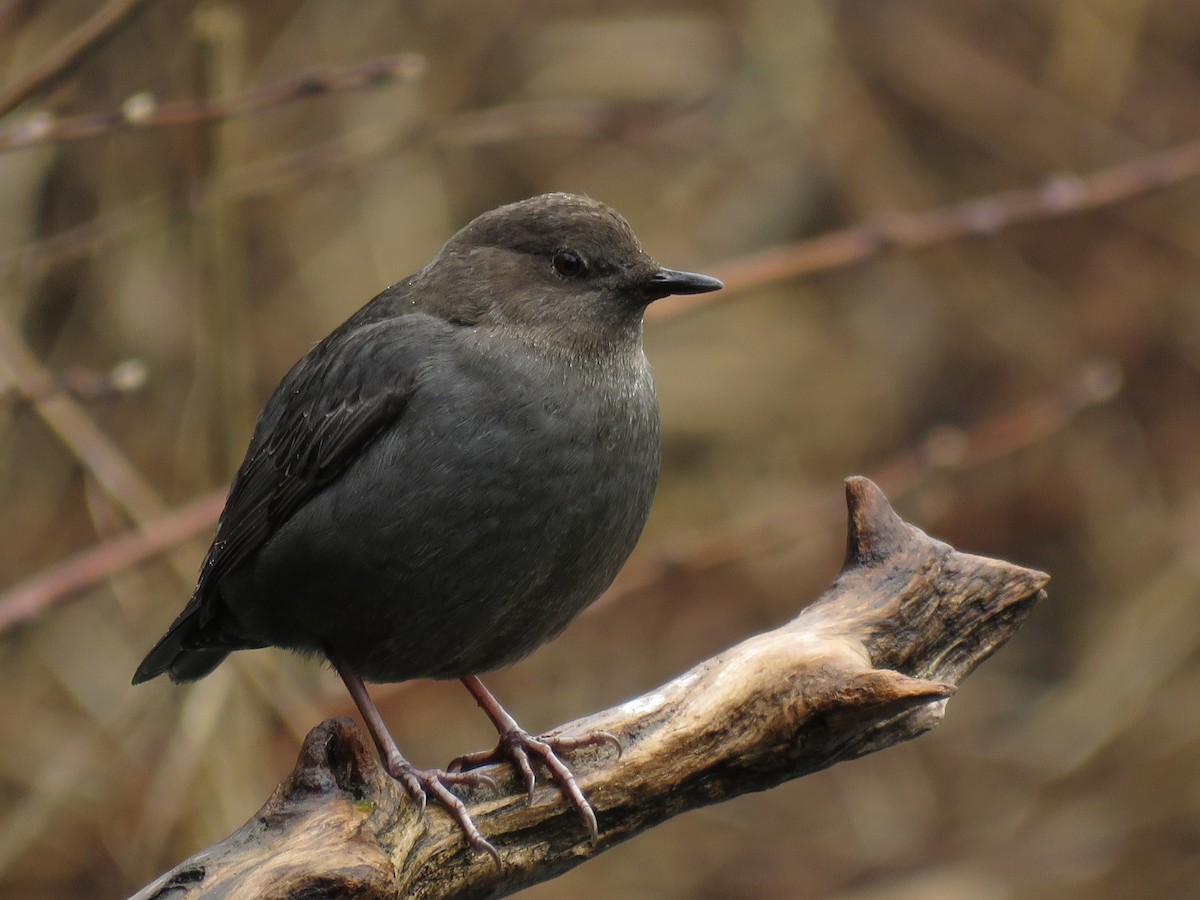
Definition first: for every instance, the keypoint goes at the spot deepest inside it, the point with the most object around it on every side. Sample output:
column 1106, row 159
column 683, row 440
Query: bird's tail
column 181, row 652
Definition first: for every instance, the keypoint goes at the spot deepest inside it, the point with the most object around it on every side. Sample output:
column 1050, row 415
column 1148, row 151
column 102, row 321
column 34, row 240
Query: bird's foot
column 424, row 783
column 517, row 746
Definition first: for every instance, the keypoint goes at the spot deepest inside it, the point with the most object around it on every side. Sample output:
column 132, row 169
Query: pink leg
column 418, row 782
column 517, row 745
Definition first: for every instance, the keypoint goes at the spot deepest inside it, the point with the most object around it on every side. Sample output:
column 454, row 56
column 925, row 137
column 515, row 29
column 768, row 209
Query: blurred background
column 1030, row 392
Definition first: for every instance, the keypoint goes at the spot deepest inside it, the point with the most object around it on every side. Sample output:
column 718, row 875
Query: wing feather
column 326, row 411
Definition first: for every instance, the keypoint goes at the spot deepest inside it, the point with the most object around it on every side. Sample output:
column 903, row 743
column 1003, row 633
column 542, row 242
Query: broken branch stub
column 869, row 664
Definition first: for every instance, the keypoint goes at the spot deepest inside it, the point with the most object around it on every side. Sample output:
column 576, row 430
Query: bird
column 446, row 480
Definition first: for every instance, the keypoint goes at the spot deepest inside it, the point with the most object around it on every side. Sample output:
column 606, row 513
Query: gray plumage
column 452, row 475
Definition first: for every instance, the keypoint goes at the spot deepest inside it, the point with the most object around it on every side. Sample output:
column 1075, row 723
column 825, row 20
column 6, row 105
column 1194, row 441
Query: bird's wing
column 324, row 413
column 332, row 405
column 308, row 449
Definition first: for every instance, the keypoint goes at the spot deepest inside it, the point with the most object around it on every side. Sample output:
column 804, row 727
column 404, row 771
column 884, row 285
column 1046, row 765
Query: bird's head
column 557, row 265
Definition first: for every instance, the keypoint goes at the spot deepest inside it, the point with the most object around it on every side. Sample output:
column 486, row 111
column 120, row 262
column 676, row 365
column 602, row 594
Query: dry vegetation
column 1022, row 378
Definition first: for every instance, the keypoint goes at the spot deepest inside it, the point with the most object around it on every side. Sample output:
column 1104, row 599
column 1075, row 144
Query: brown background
column 1069, row 766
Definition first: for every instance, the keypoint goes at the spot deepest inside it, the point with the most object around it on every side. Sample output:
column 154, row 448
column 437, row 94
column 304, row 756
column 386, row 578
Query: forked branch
column 871, row 663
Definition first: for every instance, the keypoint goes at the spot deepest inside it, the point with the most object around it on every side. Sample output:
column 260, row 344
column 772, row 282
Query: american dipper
column 449, row 478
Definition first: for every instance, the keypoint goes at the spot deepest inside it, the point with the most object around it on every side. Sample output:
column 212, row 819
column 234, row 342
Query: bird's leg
column 517, row 745
column 419, row 783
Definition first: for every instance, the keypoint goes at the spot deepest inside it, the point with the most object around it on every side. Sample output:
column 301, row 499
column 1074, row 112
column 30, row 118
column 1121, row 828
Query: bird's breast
column 502, row 503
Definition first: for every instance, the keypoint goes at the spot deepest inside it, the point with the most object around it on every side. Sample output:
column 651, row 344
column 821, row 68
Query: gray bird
column 449, row 478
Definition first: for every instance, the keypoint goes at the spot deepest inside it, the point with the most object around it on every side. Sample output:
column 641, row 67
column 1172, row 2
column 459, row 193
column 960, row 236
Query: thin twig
column 77, row 430
column 324, row 160
column 40, row 256
column 32, row 598
column 945, row 448
column 142, row 111
column 81, row 384
column 69, row 53
column 985, row 216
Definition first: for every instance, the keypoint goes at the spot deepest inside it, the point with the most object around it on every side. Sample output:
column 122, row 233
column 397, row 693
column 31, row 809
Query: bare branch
column 871, row 663
column 1058, row 196
column 40, row 256
column 29, row 599
column 83, row 437
column 68, row 54
column 82, row 384
column 944, row 449
column 141, row 110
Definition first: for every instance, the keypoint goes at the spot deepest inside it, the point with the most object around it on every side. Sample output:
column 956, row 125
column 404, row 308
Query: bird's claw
column 423, row 783
column 517, row 746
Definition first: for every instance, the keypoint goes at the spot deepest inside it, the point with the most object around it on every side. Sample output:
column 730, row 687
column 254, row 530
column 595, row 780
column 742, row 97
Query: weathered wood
column 869, row 664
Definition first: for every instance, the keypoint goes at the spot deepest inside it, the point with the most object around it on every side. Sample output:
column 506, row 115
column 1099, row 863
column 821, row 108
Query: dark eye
column 570, row 264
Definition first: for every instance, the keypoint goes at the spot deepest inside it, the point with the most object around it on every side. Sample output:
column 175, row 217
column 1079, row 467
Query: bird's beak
column 665, row 282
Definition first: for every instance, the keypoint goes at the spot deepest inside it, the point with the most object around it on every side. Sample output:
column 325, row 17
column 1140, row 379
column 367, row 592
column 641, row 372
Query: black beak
column 665, row 282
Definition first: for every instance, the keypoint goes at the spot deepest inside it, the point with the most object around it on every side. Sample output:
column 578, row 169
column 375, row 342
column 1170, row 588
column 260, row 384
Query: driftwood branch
column 871, row 663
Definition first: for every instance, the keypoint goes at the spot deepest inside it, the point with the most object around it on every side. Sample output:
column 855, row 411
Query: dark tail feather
column 181, row 653
column 192, row 665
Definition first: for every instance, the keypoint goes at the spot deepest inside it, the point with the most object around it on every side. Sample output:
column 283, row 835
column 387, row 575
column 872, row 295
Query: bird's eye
column 570, row 264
